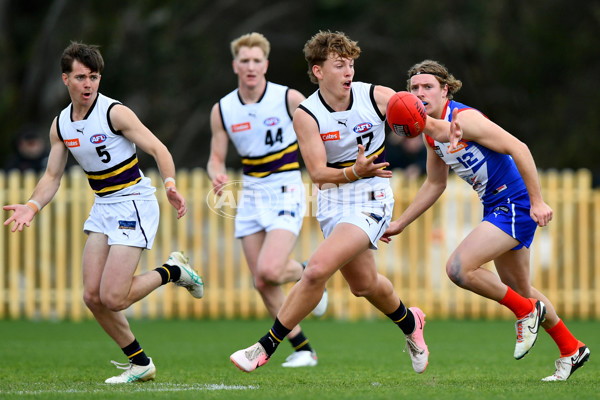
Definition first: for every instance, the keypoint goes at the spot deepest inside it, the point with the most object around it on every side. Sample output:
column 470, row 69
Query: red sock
column 518, row 304
column 566, row 342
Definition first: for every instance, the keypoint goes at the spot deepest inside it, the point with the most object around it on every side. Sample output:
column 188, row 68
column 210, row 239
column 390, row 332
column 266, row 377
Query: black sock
column 272, row 339
column 404, row 318
column 300, row 342
column 136, row 354
column 168, row 273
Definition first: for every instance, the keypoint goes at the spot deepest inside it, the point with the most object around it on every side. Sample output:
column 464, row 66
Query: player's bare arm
column 219, row 143
column 438, row 129
column 125, row 120
column 430, row 191
column 294, row 98
column 382, row 95
column 312, row 149
column 478, row 128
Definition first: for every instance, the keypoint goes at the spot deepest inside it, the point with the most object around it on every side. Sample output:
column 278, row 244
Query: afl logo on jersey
column 272, row 121
column 98, row 138
column 365, row 126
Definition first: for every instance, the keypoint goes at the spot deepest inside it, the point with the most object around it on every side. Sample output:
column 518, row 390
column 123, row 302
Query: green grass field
column 357, row 360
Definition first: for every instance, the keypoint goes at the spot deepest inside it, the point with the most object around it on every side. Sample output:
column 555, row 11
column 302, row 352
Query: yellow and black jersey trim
column 280, row 161
column 118, row 177
column 379, row 158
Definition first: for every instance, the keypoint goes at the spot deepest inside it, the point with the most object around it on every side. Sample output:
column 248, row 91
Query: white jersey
column 262, row 132
column 263, row 135
column 342, row 131
column 366, row 203
column 108, row 158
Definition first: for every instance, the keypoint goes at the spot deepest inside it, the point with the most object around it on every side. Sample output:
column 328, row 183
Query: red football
column 406, row 114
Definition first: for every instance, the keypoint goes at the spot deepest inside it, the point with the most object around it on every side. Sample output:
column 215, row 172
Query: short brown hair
column 318, row 48
column 87, row 54
column 439, row 71
column 253, row 39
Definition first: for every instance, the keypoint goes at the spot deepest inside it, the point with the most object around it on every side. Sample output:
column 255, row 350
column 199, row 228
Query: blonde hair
column 253, row 39
column 439, row 71
column 318, row 48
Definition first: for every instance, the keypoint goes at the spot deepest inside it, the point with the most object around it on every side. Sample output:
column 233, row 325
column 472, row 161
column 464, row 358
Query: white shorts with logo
column 278, row 204
column 129, row 223
column 367, row 204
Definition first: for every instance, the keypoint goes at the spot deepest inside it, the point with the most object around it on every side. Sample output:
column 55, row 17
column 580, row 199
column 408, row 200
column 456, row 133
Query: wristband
column 344, row 171
column 169, row 183
column 34, row 205
column 354, row 172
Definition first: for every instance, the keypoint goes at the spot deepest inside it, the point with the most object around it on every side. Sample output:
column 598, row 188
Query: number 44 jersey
column 107, row 157
column 262, row 132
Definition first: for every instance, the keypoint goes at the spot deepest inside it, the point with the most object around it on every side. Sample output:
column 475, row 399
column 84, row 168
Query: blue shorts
column 512, row 215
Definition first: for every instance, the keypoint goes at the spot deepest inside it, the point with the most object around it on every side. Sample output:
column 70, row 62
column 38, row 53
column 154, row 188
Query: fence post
column 40, row 268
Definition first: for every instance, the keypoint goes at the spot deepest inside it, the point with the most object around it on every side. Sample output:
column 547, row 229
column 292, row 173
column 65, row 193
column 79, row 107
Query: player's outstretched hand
column 21, row 216
column 177, row 201
column 366, row 167
column 218, row 183
column 392, row 230
column 456, row 132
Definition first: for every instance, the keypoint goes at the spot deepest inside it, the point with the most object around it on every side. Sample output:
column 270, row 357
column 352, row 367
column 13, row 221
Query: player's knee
column 361, row 290
column 454, row 271
column 115, row 306
column 315, row 273
column 113, row 302
column 270, row 273
column 91, row 300
column 368, row 285
column 261, row 285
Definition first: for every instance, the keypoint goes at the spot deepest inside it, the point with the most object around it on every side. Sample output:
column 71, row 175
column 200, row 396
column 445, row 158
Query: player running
column 102, row 135
column 257, row 118
column 502, row 171
column 341, row 132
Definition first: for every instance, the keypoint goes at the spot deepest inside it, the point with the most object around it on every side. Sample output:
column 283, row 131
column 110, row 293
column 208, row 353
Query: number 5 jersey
column 107, row 157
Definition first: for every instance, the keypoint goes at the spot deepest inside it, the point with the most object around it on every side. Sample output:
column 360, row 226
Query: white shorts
column 279, row 207
column 369, row 208
column 129, row 223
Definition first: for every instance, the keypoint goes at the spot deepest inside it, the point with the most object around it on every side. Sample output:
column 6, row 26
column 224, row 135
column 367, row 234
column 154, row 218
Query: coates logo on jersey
column 271, row 121
column 244, row 126
column 361, row 128
column 330, row 136
column 72, row 142
column 98, row 138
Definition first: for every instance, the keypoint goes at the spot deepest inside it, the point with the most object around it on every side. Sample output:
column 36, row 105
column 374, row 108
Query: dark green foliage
column 532, row 67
